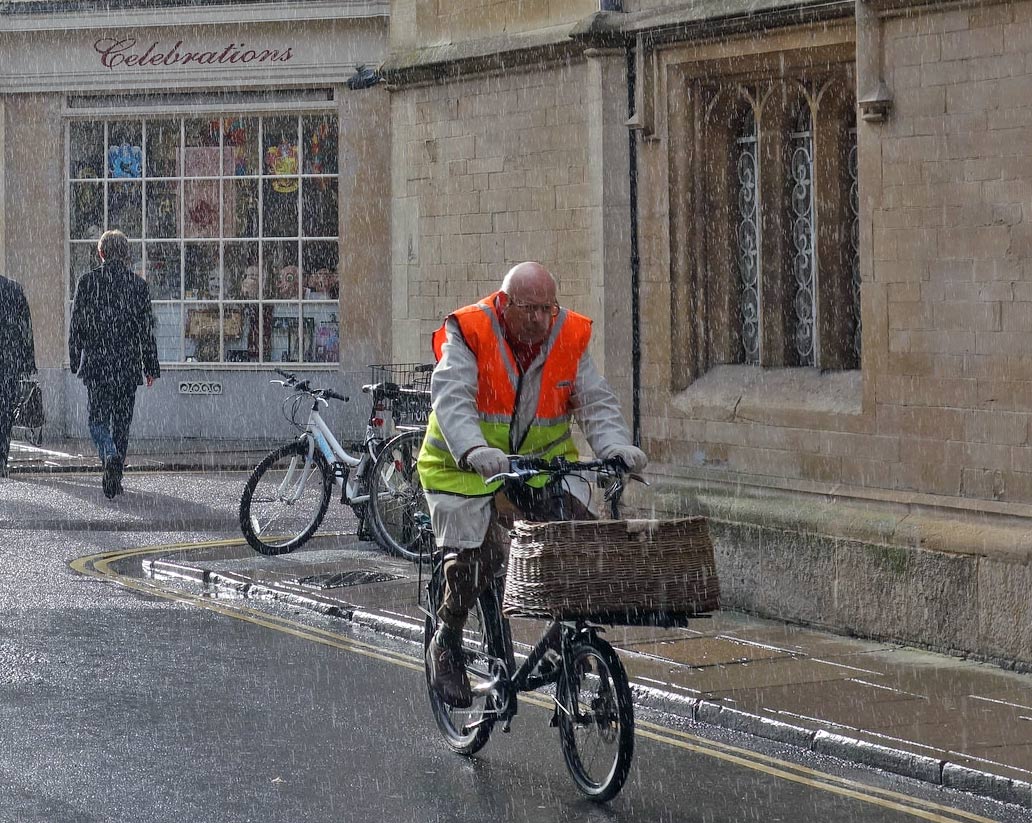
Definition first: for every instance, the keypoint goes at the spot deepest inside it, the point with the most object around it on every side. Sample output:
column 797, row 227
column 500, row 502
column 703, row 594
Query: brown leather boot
column 445, row 663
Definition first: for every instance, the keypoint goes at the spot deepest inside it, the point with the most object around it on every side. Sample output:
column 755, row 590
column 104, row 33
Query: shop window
column 770, row 276
column 232, row 221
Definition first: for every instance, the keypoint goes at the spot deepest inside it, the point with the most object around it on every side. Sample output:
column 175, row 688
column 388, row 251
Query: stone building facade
column 802, row 230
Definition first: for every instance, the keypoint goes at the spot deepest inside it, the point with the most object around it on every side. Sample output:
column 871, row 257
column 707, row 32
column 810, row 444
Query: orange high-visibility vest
column 498, row 385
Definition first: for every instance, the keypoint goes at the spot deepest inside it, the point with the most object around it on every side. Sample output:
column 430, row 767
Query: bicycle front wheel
column 285, row 499
column 596, row 719
column 397, row 503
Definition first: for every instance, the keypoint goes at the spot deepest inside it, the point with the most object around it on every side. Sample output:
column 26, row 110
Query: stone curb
column 171, row 466
column 906, row 764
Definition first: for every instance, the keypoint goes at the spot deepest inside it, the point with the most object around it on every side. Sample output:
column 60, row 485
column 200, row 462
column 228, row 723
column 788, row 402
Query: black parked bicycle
column 593, row 707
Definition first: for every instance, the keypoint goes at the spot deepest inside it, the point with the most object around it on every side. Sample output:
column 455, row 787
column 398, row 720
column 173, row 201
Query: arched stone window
column 766, row 272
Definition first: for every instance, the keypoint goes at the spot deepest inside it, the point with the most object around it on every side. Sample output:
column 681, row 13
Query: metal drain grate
column 340, row 579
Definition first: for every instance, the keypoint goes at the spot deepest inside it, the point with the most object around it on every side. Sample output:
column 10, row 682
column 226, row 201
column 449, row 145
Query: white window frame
column 107, row 115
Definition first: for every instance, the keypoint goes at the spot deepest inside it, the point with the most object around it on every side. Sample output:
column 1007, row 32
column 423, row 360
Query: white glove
column 634, row 458
column 487, row 462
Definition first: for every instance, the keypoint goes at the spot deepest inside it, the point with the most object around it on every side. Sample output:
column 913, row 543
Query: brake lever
column 503, row 476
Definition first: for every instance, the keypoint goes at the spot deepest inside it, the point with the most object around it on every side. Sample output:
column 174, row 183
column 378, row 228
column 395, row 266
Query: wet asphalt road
column 120, row 707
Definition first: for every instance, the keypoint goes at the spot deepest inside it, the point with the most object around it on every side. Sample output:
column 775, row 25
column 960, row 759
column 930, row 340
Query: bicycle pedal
column 507, row 726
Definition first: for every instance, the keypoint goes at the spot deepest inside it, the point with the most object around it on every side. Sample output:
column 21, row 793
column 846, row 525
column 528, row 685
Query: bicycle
column 593, row 707
column 398, row 502
column 286, row 497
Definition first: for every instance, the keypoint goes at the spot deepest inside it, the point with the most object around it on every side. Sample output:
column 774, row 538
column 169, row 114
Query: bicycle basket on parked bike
column 410, row 404
column 613, row 571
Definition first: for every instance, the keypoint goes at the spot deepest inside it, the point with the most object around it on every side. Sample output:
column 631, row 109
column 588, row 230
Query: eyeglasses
column 551, row 309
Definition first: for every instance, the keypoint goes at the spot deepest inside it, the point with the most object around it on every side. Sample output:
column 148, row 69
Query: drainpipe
column 632, row 152
column 873, row 97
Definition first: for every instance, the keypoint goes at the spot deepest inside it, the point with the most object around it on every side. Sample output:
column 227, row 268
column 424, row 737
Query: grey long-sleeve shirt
column 462, row 522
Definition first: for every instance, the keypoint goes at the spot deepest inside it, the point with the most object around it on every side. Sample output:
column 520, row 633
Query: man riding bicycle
column 512, row 369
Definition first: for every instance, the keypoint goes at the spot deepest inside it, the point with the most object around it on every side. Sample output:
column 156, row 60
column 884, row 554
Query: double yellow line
column 102, row 566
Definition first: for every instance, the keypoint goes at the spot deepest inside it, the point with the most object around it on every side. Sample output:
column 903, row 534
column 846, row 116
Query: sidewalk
column 73, row 455
column 930, row 717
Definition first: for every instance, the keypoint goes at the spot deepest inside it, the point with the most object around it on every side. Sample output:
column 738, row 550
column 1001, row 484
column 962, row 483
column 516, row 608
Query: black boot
column 112, row 475
column 447, row 668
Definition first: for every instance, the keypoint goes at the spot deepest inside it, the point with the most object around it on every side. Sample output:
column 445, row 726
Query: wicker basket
column 614, row 571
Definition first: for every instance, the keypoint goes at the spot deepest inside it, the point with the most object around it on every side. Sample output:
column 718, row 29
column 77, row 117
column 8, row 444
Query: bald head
column 529, row 297
column 529, row 281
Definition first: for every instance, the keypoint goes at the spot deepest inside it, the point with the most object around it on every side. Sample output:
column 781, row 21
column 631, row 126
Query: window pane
column 163, row 271
column 201, row 337
column 320, row 206
column 280, row 271
column 279, row 207
column 319, row 268
column 240, row 208
column 280, row 142
column 163, row 209
column 87, row 205
column 124, row 154
column 125, row 208
column 240, row 146
column 87, row 150
column 280, row 340
column 240, row 265
column 136, row 258
column 201, row 271
column 201, row 208
column 320, row 144
column 201, row 152
column 168, row 331
column 322, row 334
column 162, row 148
column 240, row 332
column 82, row 257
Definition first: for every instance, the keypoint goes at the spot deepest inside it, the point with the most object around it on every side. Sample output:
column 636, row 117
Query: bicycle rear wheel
column 466, row 731
column 596, row 719
column 396, row 500
column 285, row 499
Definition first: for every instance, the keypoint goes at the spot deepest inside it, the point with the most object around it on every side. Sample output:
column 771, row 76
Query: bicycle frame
column 320, row 436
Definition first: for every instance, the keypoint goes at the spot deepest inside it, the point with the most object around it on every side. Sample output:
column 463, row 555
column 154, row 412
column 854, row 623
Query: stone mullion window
column 763, row 219
column 778, row 315
column 801, row 223
column 748, row 237
column 837, row 272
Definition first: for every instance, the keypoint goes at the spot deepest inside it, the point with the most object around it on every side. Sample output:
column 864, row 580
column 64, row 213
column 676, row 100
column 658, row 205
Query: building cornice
column 18, row 17
column 476, row 57
column 606, row 30
column 705, row 19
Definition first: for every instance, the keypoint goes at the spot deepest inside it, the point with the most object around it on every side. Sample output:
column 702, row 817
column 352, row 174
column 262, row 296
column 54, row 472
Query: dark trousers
column 468, row 572
column 110, row 411
column 10, row 395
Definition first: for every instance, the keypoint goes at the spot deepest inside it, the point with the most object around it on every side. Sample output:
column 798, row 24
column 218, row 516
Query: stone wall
column 949, row 192
column 487, row 171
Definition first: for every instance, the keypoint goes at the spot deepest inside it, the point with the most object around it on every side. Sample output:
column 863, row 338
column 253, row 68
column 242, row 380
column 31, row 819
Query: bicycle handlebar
column 303, row 386
column 524, row 468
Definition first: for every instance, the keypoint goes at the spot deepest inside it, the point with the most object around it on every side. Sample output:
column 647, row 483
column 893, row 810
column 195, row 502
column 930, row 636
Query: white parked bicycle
column 286, row 497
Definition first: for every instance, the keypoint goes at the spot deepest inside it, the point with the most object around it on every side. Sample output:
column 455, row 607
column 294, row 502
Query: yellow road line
column 100, row 565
